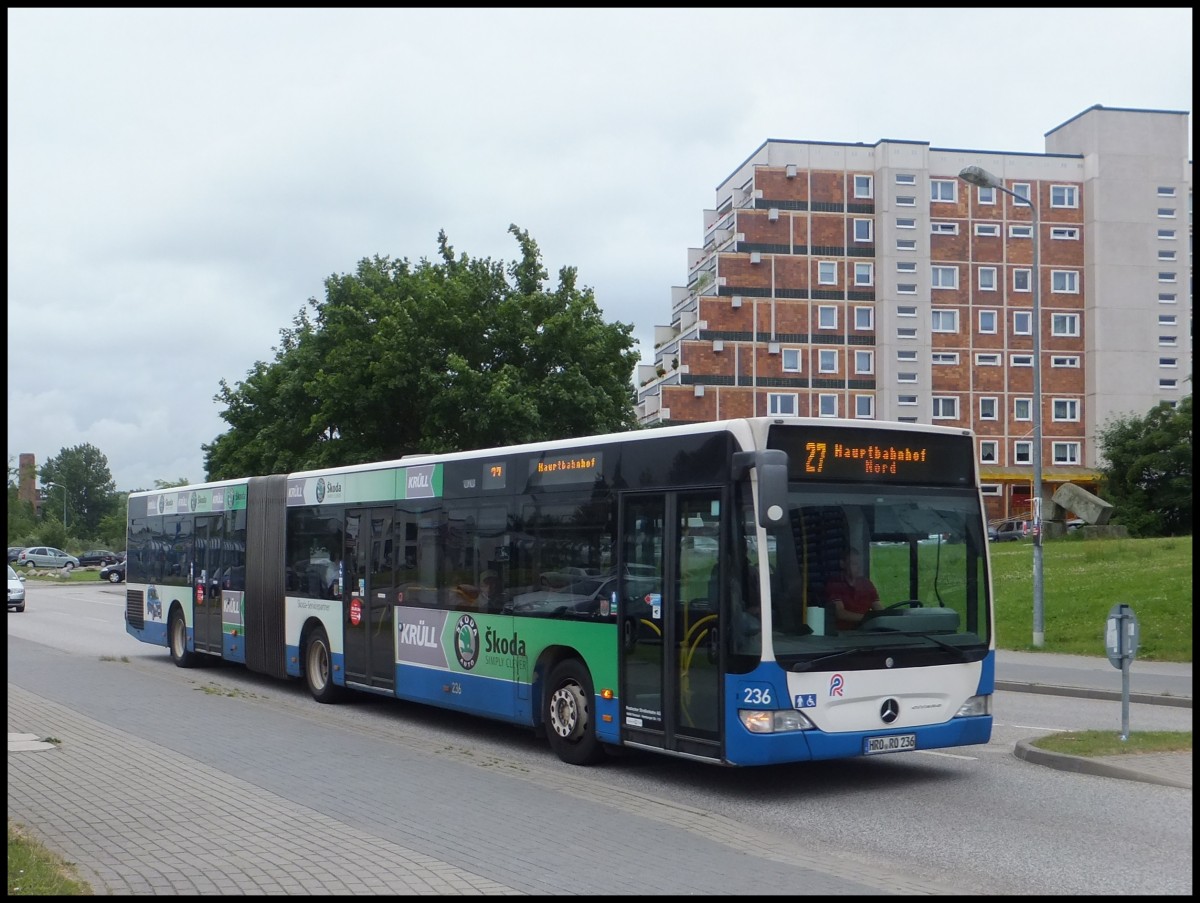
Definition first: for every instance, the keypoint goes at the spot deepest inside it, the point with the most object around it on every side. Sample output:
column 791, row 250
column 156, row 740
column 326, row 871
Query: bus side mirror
column 771, row 466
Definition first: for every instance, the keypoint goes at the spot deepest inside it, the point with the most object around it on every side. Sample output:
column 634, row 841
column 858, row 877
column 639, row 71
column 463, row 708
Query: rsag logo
column 836, row 685
column 466, row 642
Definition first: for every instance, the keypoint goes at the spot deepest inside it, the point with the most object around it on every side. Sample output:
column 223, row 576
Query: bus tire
column 318, row 667
column 568, row 712
column 177, row 640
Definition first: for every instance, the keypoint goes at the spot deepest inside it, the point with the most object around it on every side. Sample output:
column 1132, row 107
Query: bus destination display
column 874, row 455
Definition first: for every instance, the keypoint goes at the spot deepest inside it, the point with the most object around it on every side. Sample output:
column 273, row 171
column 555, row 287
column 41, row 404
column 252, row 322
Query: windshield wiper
column 808, row 665
column 962, row 654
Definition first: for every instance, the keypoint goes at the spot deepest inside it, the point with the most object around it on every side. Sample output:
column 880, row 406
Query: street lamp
column 977, row 175
column 64, row 489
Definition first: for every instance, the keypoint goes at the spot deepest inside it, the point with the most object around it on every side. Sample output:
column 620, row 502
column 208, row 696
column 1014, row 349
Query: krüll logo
column 320, row 490
column 466, row 642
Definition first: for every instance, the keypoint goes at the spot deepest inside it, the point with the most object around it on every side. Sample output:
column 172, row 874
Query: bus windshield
column 866, row 568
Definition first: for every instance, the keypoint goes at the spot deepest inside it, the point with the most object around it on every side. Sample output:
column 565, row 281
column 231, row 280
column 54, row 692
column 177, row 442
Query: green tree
column 82, row 473
column 1148, row 470
column 429, row 357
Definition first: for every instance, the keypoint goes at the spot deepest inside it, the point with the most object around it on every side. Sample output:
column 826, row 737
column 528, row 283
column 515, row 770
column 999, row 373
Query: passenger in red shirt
column 853, row 595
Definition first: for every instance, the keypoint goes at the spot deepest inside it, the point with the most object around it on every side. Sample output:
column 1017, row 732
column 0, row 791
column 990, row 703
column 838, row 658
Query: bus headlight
column 976, row 705
column 759, row 721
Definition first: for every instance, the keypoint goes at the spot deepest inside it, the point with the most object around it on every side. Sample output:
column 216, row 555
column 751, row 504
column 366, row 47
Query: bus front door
column 206, row 584
column 670, row 676
column 368, row 607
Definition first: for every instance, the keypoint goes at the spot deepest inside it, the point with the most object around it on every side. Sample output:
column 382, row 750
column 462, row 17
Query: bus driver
column 852, row 594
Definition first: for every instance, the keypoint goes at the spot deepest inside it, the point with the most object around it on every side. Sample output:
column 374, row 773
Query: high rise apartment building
column 872, row 282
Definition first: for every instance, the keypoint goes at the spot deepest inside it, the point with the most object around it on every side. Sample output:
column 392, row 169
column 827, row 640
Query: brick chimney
column 27, row 481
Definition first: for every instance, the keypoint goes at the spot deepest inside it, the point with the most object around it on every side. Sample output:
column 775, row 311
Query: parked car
column 113, row 573
column 46, row 557
column 16, row 590
column 94, row 557
column 1009, row 530
column 13, row 552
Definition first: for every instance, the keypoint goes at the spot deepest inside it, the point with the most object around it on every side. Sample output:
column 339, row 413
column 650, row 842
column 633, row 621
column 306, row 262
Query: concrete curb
column 1103, row 766
column 1015, row 686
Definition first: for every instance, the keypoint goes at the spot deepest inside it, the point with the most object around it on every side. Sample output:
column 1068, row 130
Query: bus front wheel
column 318, row 667
column 569, row 714
column 177, row 636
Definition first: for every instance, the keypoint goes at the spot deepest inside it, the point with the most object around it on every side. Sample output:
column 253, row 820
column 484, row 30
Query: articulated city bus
column 681, row 589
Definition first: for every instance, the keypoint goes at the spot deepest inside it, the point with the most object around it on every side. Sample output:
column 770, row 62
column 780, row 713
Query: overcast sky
column 182, row 182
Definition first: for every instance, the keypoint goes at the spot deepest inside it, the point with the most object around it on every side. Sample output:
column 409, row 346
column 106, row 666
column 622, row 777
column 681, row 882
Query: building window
column 1166, row 255
column 943, row 190
column 864, row 319
column 906, row 200
column 827, row 317
column 987, row 279
column 987, row 321
column 827, row 361
column 943, row 228
column 1022, row 322
column 1166, row 191
column 781, row 404
column 864, row 361
column 906, row 288
column 1064, row 196
column 1065, row 452
column 987, row 408
column 1022, row 280
column 864, row 273
column 1065, row 360
column 1064, row 282
column 1020, row 360
column 1168, row 384
column 987, row 451
column 906, row 332
column 987, row 359
column 827, row 405
column 1020, row 231
column 906, row 377
column 906, row 178
column 1066, row 409
column 906, row 266
column 1022, row 452
column 945, row 407
column 991, row 489
column 1166, row 341
column 944, row 357
column 906, row 244
column 1166, row 234
column 943, row 320
column 986, row 230
column 986, row 195
column 1168, row 363
column 864, row 186
column 906, row 222
column 1064, row 234
column 906, row 354
column 864, row 230
column 827, row 272
column 1021, row 190
column 1064, row 324
column 864, row 407
column 906, row 400
column 1022, row 409
column 1166, row 213
column 944, row 277
column 791, row 359
column 1166, row 319
column 906, row 310
column 1166, row 297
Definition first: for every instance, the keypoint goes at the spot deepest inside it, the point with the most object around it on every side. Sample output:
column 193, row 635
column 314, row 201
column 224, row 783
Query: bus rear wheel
column 318, row 667
column 177, row 638
column 569, row 714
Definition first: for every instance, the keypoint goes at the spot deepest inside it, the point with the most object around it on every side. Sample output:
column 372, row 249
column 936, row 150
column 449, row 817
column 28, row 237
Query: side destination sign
column 419, row 482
